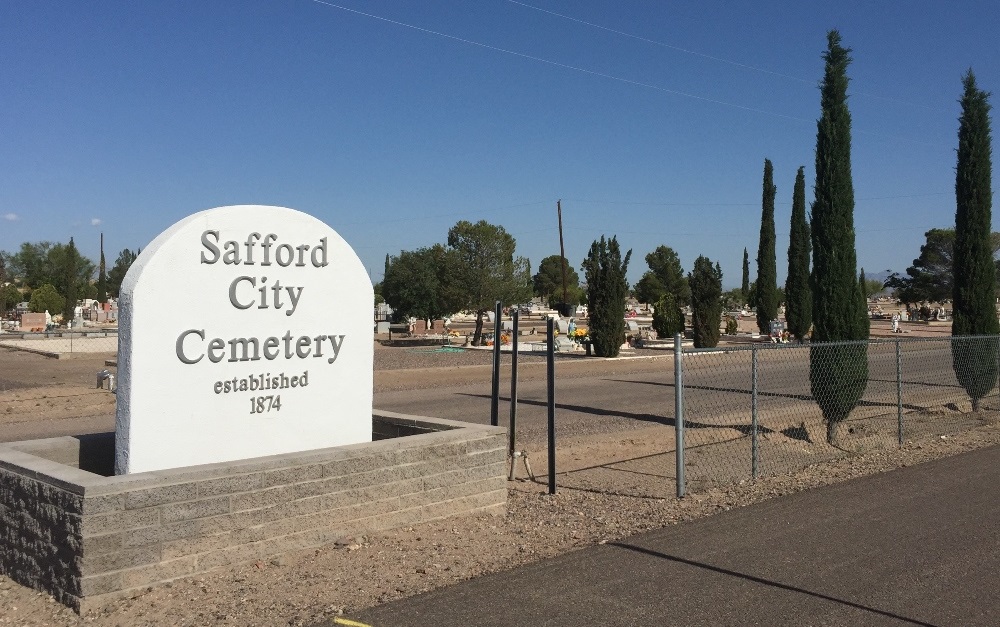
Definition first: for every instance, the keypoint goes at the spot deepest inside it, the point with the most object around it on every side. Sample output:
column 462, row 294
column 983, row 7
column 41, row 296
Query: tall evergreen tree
column 974, row 359
column 607, row 287
column 72, row 282
column 838, row 373
column 798, row 296
column 706, row 302
column 745, row 285
column 766, row 302
column 102, row 277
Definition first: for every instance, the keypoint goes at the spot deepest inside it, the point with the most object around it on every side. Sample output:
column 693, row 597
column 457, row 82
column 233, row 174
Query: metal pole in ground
column 495, row 397
column 754, row 440
column 679, row 413
column 550, row 363
column 899, row 393
column 513, row 391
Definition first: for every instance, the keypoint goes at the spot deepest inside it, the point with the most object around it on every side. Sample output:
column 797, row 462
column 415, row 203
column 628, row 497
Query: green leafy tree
column 873, row 287
column 838, row 373
column 46, row 298
column 798, row 296
column 668, row 318
column 665, row 265
column 548, row 282
column 419, row 283
column 486, row 270
column 117, row 274
column 930, row 278
column 974, row 358
column 766, row 303
column 605, row 271
column 3, row 283
column 745, row 285
column 706, row 302
column 649, row 289
column 9, row 297
column 732, row 299
column 29, row 264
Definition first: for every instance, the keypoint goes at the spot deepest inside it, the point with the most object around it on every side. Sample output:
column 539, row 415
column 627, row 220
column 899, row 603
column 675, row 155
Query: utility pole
column 562, row 253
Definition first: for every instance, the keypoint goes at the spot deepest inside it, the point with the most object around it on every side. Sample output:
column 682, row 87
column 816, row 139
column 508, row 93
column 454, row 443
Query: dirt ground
column 603, row 495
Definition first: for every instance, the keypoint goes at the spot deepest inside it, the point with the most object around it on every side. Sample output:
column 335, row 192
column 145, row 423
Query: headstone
column 32, row 322
column 277, row 359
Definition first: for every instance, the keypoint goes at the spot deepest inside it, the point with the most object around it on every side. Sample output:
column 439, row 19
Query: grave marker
column 277, row 359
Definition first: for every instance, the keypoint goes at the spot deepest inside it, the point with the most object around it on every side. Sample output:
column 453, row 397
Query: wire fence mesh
column 766, row 409
column 63, row 343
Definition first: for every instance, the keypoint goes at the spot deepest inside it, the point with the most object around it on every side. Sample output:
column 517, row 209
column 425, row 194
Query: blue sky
column 393, row 120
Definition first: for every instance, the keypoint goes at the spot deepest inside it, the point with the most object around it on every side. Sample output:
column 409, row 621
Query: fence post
column 754, row 441
column 899, row 393
column 495, row 397
column 679, row 413
column 550, row 377
column 513, row 391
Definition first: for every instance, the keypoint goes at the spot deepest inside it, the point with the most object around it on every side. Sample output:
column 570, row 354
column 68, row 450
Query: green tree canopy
column 974, row 292
column 745, row 285
column 668, row 319
column 706, row 302
column 838, row 373
column 117, row 273
column 798, row 296
column 649, row 289
column 930, row 278
column 766, row 303
column 9, row 297
column 486, row 270
column 548, row 282
column 665, row 274
column 607, row 287
column 420, row 284
column 46, row 298
column 44, row 262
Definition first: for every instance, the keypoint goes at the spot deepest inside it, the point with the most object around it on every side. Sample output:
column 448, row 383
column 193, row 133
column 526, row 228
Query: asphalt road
column 916, row 546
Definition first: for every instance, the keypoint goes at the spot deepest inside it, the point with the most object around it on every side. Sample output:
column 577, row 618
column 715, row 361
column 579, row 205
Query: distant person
column 895, row 322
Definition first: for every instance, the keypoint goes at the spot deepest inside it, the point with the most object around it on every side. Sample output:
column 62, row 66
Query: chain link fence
column 63, row 343
column 766, row 409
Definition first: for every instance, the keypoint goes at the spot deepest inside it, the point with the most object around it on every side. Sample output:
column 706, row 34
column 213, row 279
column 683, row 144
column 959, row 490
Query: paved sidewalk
column 916, row 546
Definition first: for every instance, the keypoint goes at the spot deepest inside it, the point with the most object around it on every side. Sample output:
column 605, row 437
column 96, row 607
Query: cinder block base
column 69, row 529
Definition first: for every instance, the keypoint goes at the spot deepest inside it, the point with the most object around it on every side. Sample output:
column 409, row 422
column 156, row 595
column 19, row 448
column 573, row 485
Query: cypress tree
column 766, row 302
column 798, row 296
column 71, row 278
column 706, row 302
column 607, row 289
column 102, row 277
column 974, row 359
column 745, row 285
column 838, row 374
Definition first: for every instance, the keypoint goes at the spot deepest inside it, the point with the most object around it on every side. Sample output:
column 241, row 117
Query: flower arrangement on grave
column 581, row 336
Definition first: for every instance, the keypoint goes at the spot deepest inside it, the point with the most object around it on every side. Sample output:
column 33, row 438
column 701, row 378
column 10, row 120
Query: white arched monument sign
column 243, row 331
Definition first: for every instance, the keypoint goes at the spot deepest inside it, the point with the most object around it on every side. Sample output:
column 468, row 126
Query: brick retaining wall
column 87, row 538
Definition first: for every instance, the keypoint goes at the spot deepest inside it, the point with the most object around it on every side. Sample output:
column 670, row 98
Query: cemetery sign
column 243, row 331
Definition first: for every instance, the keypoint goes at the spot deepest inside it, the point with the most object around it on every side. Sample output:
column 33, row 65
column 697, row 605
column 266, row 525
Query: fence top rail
column 871, row 341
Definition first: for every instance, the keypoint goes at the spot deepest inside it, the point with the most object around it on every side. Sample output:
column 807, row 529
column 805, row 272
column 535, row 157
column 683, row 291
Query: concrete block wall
column 87, row 539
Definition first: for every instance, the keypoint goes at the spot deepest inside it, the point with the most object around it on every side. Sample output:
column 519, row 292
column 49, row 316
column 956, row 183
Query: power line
column 565, row 66
column 710, row 57
column 604, row 75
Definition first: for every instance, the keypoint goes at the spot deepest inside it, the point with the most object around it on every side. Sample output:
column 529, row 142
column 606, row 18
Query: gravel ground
column 593, row 505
